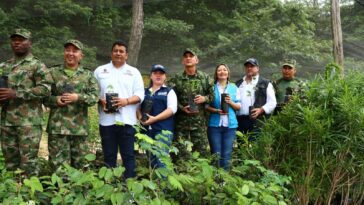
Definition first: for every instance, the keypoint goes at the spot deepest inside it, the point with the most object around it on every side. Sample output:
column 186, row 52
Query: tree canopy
column 221, row 31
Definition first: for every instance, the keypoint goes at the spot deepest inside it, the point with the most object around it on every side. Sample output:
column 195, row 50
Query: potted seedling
column 4, row 81
column 250, row 96
column 146, row 108
column 224, row 105
column 109, row 95
column 193, row 89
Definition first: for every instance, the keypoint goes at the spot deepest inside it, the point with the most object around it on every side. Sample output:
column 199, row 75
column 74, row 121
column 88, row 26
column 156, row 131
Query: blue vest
column 214, row 121
column 159, row 99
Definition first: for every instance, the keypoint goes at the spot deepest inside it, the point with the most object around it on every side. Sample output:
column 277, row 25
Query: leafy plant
column 318, row 141
column 191, row 182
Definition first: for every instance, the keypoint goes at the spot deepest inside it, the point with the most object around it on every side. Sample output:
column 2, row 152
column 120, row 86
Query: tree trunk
column 136, row 33
column 337, row 34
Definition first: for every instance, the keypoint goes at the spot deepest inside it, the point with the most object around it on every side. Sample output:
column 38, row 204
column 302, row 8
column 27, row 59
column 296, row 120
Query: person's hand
column 186, row 109
column 151, row 120
column 7, row 94
column 119, row 102
column 221, row 112
column 60, row 102
column 256, row 112
column 69, row 98
column 199, row 99
column 228, row 100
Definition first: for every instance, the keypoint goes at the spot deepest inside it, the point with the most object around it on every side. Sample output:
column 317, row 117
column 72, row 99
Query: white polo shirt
column 126, row 81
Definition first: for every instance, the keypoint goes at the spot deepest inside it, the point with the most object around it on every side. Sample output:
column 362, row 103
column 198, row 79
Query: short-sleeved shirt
column 127, row 82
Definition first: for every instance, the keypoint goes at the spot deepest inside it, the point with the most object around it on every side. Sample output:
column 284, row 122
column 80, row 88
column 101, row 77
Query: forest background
column 221, row 31
column 324, row 126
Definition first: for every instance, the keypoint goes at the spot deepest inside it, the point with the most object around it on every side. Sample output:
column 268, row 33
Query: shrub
column 318, row 140
column 194, row 181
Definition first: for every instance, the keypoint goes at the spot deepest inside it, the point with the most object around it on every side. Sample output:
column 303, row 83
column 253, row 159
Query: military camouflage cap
column 290, row 62
column 74, row 42
column 21, row 32
column 189, row 50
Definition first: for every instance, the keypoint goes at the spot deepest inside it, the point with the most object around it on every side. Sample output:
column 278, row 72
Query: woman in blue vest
column 160, row 102
column 222, row 125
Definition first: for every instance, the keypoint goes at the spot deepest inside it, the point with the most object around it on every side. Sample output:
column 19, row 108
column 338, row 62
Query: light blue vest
column 214, row 120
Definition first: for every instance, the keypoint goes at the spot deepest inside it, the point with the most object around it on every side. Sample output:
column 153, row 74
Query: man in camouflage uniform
column 29, row 82
column 288, row 85
column 73, row 91
column 191, row 125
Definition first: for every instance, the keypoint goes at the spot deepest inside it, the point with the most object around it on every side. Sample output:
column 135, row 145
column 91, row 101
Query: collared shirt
column 247, row 96
column 127, row 82
column 171, row 99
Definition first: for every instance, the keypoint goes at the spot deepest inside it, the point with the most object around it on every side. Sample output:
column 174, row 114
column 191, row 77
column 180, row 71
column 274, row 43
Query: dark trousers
column 116, row 137
column 246, row 125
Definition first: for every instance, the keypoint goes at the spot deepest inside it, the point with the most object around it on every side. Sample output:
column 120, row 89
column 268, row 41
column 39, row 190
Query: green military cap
column 189, row 50
column 21, row 32
column 74, row 42
column 290, row 62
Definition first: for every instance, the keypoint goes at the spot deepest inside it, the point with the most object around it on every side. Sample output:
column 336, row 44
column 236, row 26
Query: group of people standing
column 189, row 106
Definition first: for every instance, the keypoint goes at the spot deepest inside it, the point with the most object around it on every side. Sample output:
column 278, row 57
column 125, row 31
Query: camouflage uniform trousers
column 198, row 136
column 67, row 148
column 20, row 146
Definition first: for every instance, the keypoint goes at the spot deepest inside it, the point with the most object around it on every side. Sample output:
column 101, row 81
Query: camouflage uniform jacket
column 71, row 119
column 32, row 82
column 180, row 83
column 295, row 86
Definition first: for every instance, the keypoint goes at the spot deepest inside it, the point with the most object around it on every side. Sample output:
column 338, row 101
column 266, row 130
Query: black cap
column 158, row 67
column 252, row 61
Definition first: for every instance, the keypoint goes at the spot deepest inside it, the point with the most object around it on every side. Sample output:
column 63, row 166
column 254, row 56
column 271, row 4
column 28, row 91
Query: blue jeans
column 221, row 140
column 166, row 138
column 116, row 137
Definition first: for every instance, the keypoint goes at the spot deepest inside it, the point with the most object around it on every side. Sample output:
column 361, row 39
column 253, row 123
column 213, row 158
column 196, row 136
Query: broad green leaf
column 56, row 199
column 245, row 189
column 102, row 172
column 137, row 188
column 156, row 201
column 108, row 175
column 282, row 203
column 117, row 198
column 268, row 199
column 90, row 157
column 118, row 171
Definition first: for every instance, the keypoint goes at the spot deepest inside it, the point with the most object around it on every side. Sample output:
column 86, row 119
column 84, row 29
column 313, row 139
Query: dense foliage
column 193, row 182
column 318, row 140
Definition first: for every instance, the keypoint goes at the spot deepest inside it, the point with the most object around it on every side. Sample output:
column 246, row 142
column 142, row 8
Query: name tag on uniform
column 128, row 72
column 162, row 93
